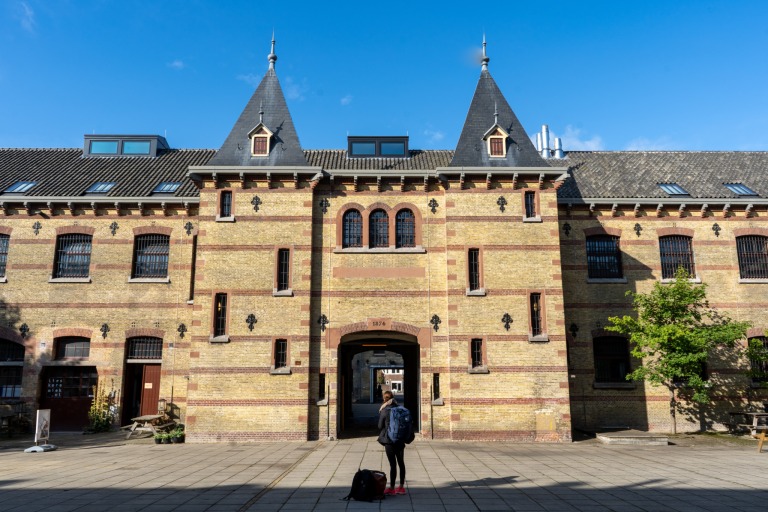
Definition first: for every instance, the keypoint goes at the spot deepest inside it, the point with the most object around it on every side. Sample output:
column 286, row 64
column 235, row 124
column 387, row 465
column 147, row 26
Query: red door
column 150, row 389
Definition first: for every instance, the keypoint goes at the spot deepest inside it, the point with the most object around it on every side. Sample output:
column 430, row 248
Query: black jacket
column 384, row 423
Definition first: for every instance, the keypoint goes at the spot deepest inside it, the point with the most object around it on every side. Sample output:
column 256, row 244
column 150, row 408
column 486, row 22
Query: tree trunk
column 672, row 409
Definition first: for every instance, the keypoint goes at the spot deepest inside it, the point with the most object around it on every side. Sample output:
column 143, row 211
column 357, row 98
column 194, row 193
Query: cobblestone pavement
column 106, row 473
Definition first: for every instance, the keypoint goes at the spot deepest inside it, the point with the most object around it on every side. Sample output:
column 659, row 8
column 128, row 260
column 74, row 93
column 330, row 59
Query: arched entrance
column 369, row 363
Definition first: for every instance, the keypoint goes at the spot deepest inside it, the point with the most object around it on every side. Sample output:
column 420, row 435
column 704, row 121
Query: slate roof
column 636, row 174
column 418, row 160
column 285, row 149
column 65, row 173
column 470, row 150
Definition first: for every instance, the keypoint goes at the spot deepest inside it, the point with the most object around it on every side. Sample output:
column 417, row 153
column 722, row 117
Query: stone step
column 633, row 437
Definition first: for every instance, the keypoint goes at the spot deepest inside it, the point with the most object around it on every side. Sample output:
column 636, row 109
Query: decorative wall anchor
column 181, row 330
column 113, row 228
column 506, row 320
column 638, row 228
column 24, row 330
column 104, row 330
column 323, row 321
column 433, row 205
column 250, row 321
column 574, row 329
column 502, row 203
column 716, row 228
column 435, row 321
column 189, row 227
column 567, row 229
column 324, row 204
column 37, row 227
column 256, row 201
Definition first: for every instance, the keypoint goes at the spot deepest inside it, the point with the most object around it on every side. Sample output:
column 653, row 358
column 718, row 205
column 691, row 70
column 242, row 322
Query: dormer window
column 260, row 137
column 496, row 140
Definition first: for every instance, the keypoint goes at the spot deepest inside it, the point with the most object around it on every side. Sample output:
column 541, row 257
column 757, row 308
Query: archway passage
column 366, row 368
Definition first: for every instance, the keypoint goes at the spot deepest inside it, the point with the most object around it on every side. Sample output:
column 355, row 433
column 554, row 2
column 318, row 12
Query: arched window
column 405, row 229
column 150, row 256
column 144, row 347
column 73, row 255
column 378, row 229
column 611, row 359
column 12, row 357
column 676, row 251
column 73, row 347
column 603, row 257
column 753, row 256
column 352, row 229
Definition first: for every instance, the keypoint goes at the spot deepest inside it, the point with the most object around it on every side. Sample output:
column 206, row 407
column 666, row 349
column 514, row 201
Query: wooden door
column 150, row 389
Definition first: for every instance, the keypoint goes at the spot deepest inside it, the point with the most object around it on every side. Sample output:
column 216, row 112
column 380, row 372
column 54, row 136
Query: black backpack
column 367, row 485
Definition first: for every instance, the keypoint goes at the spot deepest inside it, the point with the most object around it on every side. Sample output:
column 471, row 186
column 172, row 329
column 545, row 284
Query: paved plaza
column 106, row 473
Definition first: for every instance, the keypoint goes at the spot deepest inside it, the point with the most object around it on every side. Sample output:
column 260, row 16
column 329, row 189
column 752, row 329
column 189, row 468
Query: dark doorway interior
column 357, row 415
column 142, row 390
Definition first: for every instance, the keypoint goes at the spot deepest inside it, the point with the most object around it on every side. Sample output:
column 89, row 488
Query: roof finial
column 272, row 56
column 261, row 111
column 495, row 113
column 485, row 58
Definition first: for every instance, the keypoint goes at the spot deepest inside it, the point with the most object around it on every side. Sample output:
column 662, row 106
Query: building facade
column 247, row 287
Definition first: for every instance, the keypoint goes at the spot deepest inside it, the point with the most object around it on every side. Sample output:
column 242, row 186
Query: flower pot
column 167, row 441
column 158, row 440
column 177, row 440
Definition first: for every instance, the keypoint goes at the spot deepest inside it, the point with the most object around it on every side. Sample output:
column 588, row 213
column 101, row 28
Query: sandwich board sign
column 42, row 432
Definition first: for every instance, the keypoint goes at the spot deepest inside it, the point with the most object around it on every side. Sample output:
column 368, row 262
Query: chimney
column 559, row 153
column 538, row 142
column 544, row 141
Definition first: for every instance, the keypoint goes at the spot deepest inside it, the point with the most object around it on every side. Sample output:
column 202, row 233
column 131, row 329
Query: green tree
column 674, row 333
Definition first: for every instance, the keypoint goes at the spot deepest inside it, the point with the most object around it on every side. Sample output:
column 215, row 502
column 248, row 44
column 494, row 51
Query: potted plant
column 166, row 438
column 177, row 434
column 159, row 437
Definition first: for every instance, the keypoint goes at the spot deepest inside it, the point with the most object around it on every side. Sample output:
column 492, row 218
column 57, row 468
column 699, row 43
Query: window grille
column 220, row 314
column 283, row 269
column 753, row 256
column 530, row 204
column 70, row 382
column 225, row 204
column 405, row 228
column 611, row 359
column 435, row 386
column 476, row 348
column 144, row 347
column 603, row 257
column 73, row 255
column 73, row 347
column 535, row 314
column 379, row 229
column 676, row 251
column 10, row 351
column 759, row 368
column 4, row 241
column 281, row 353
column 352, row 229
column 473, row 261
column 150, row 257
column 10, row 381
column 497, row 146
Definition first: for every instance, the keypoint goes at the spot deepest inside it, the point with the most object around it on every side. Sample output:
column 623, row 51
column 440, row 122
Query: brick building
column 240, row 284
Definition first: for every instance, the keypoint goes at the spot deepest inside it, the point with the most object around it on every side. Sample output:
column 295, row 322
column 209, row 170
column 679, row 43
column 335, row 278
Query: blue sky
column 605, row 75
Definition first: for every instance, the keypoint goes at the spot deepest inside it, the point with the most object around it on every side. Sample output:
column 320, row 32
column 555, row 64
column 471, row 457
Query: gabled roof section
column 496, row 127
column 471, row 152
column 267, row 106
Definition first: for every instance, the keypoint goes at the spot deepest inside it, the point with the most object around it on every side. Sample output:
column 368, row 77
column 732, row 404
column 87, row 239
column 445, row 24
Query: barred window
column 225, row 204
column 753, row 256
column 144, row 347
column 530, row 204
column 476, row 351
column 603, row 257
column 281, row 353
column 73, row 255
column 150, row 256
column 535, row 314
column 283, row 269
column 759, row 367
column 4, row 240
column 352, row 229
column 611, row 359
column 676, row 251
column 379, row 229
column 73, row 347
column 473, row 268
column 220, row 314
column 405, row 229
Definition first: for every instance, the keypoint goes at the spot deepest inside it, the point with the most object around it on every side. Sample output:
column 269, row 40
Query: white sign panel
column 43, row 428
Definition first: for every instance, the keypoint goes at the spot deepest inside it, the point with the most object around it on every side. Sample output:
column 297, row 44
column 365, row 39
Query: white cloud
column 644, row 144
column 434, row 136
column 250, row 79
column 574, row 140
column 346, row 100
column 295, row 91
column 177, row 64
column 27, row 17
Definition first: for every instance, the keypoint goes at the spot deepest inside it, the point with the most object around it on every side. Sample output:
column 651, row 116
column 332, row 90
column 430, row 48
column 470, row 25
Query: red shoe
column 399, row 490
column 389, row 491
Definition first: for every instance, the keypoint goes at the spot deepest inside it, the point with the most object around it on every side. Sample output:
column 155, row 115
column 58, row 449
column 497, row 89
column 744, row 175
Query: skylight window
column 673, row 189
column 740, row 189
column 384, row 146
column 103, row 147
column 167, row 187
column 100, row 187
column 20, row 187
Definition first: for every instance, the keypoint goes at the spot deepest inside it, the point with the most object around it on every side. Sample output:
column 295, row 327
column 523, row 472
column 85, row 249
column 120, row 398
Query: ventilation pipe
column 559, row 153
column 544, row 141
column 538, row 142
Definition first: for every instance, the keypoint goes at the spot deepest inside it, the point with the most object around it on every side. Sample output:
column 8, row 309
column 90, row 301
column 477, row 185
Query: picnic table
column 750, row 420
column 152, row 423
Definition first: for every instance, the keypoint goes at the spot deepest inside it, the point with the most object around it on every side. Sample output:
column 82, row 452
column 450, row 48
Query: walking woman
column 394, row 450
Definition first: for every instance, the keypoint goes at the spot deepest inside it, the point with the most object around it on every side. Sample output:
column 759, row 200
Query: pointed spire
column 261, row 111
column 485, row 58
column 272, row 56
